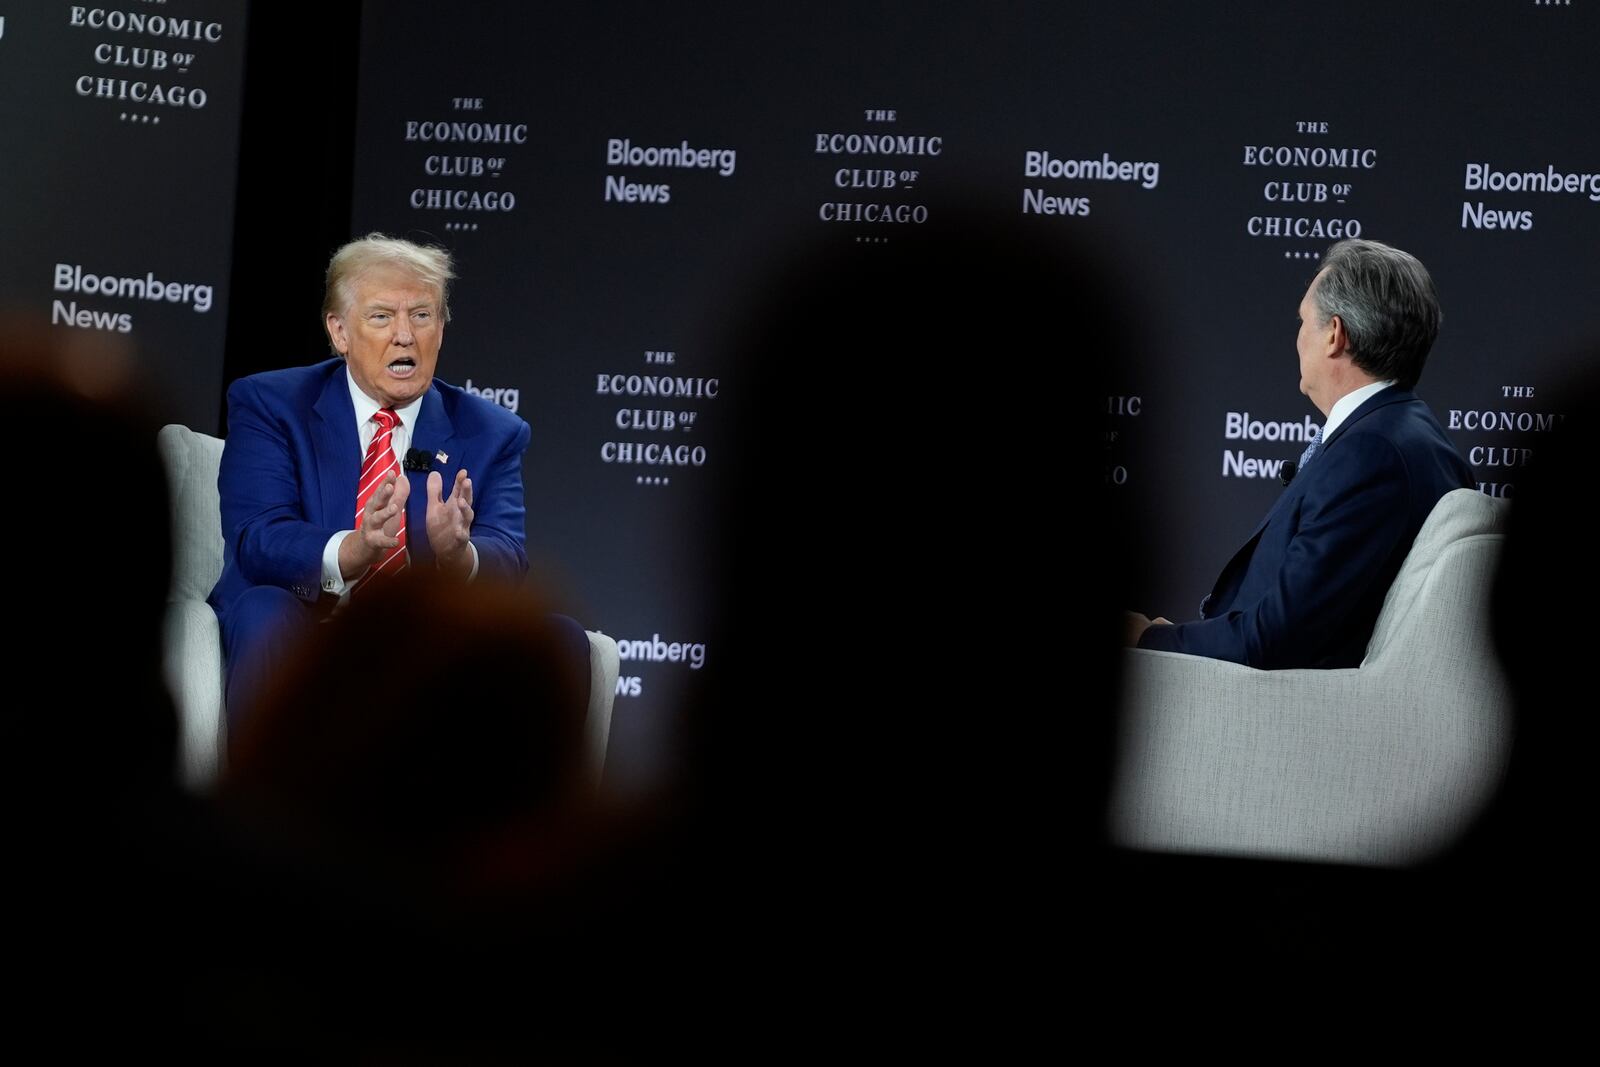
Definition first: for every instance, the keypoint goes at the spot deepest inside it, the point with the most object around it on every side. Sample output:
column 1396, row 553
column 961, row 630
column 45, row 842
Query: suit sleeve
column 263, row 515
column 1351, row 521
column 499, row 515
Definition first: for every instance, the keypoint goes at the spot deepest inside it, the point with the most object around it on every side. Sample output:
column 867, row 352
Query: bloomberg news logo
column 1483, row 177
column 506, row 398
column 1039, row 163
column 1239, row 426
column 655, row 650
column 77, row 280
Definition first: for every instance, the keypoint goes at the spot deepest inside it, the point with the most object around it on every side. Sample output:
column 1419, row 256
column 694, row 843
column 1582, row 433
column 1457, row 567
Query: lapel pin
column 442, row 456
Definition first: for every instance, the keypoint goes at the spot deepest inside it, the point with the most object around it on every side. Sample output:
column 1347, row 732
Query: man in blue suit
column 1307, row 587
column 313, row 508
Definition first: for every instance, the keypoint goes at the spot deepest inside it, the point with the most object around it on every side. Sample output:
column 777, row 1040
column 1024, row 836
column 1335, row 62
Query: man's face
column 390, row 335
column 1313, row 343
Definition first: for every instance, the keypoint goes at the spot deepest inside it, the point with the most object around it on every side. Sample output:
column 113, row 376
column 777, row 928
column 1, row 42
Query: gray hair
column 1386, row 300
column 431, row 266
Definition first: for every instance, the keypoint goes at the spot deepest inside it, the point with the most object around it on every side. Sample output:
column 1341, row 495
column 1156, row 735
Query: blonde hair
column 431, row 266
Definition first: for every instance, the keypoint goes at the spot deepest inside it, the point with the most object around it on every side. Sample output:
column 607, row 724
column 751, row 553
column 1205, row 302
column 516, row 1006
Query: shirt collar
column 1345, row 406
column 366, row 407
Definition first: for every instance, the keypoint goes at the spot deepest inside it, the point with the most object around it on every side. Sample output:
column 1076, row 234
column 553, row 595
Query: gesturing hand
column 450, row 522
column 380, row 527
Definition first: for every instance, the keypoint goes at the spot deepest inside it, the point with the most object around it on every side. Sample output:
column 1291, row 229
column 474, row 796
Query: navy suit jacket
column 1307, row 587
column 292, row 457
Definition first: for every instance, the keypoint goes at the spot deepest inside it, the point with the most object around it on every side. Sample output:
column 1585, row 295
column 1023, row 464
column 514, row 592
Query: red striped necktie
column 375, row 468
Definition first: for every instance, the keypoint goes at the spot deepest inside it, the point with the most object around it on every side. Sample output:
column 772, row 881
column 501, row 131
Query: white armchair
column 193, row 638
column 1385, row 764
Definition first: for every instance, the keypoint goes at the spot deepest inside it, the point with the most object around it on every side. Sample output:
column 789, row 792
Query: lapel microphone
column 1290, row 468
column 420, row 459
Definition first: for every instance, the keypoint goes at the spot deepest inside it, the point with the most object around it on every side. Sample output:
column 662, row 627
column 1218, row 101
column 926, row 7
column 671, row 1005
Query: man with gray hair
column 1307, row 587
column 333, row 477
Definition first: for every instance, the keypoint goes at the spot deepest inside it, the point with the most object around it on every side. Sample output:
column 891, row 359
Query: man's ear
column 1338, row 340
column 335, row 327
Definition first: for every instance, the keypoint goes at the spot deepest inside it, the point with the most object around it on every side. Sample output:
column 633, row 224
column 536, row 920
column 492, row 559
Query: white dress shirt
column 400, row 440
column 1342, row 408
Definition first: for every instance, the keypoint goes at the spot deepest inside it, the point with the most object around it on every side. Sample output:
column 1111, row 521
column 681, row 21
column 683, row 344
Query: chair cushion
column 192, row 460
column 1460, row 514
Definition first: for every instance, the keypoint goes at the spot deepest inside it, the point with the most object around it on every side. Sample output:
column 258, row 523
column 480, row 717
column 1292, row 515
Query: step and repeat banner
column 611, row 175
column 119, row 127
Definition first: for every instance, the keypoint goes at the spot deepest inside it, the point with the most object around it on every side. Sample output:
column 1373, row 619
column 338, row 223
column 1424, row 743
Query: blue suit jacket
column 1307, row 587
column 290, row 464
